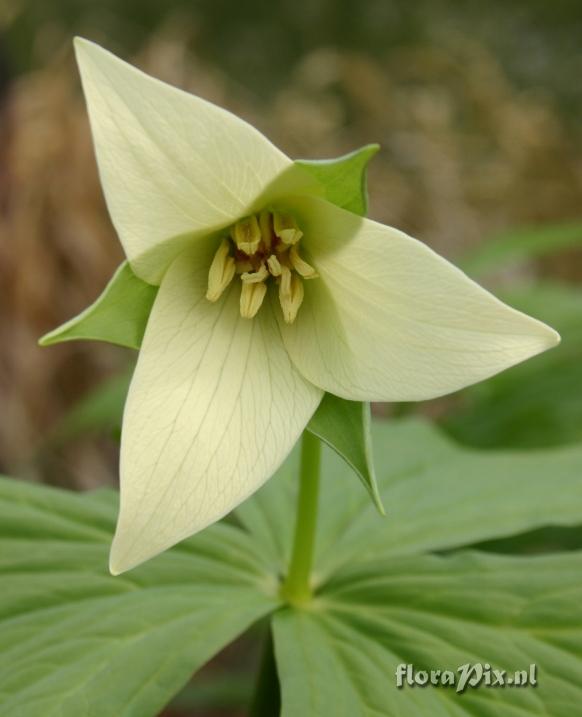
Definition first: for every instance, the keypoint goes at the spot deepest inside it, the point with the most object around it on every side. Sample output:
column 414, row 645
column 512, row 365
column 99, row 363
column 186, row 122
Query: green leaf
column 118, row 316
column 440, row 496
column 345, row 427
column 517, row 246
column 344, row 178
column 534, row 404
column 77, row 642
column 340, row 656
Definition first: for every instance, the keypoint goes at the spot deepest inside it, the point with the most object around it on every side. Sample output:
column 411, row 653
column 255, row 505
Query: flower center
column 261, row 248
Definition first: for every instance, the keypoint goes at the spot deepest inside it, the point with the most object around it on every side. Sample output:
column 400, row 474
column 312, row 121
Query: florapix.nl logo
column 465, row 676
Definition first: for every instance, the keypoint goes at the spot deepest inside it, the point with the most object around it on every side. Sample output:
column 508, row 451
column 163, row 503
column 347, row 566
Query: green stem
column 296, row 588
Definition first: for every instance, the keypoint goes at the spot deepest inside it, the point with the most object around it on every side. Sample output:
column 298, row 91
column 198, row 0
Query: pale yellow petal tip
column 118, row 557
column 118, row 565
column 126, row 554
column 544, row 336
column 550, row 337
column 81, row 44
column 87, row 51
column 544, row 339
column 114, row 571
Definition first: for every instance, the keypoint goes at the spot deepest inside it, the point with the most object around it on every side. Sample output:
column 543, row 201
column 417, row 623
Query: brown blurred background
column 476, row 106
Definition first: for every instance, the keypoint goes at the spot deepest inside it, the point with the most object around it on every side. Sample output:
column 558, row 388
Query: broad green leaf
column 535, row 404
column 340, row 656
column 344, row 178
column 77, row 642
column 438, row 495
column 345, row 427
column 118, row 316
column 517, row 246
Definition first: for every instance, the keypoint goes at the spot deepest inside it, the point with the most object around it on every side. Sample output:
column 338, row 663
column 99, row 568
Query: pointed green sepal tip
column 118, row 316
column 345, row 427
column 344, row 178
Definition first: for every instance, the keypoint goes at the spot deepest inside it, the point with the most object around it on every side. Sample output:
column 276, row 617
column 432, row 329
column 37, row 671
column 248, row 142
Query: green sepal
column 118, row 316
column 344, row 178
column 345, row 427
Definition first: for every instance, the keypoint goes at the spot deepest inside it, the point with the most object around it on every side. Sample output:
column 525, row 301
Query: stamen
column 246, row 234
column 266, row 226
column 274, row 265
column 255, row 276
column 251, row 298
column 221, row 272
column 262, row 248
column 286, row 228
column 291, row 294
column 300, row 265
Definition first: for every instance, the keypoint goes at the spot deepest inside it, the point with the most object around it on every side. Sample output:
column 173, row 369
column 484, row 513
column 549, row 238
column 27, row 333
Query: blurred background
column 477, row 108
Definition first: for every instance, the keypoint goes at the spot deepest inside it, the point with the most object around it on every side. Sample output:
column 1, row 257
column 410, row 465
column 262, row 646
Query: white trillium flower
column 268, row 297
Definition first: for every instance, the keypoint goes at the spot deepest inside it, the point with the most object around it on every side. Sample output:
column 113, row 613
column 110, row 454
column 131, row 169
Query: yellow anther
column 291, row 294
column 266, row 225
column 246, row 234
column 300, row 265
column 254, row 277
column 251, row 298
column 286, row 228
column 221, row 272
column 274, row 265
column 262, row 248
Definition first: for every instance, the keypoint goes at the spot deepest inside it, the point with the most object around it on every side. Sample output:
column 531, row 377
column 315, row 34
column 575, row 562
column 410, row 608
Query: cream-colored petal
column 390, row 320
column 173, row 166
column 214, row 407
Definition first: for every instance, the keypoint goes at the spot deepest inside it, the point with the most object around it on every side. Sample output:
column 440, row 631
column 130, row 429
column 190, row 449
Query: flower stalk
column 297, row 588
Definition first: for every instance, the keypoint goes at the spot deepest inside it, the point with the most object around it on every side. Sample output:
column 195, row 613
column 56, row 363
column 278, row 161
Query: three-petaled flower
column 269, row 296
